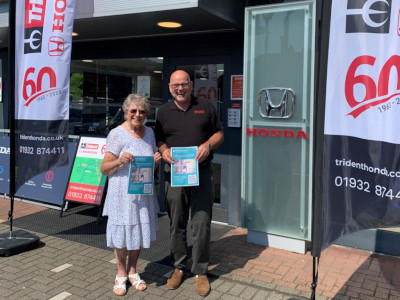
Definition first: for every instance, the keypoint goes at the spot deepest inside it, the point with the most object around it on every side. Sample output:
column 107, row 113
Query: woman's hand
column 126, row 158
column 111, row 162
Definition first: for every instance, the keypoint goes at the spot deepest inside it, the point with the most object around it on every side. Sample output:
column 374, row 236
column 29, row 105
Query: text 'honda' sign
column 42, row 69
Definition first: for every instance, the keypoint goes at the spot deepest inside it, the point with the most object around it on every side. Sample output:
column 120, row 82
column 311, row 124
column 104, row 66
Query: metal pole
column 315, row 277
column 11, row 85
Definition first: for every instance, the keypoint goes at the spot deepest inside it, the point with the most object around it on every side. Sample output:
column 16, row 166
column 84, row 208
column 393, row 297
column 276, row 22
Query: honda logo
column 285, row 108
column 56, row 46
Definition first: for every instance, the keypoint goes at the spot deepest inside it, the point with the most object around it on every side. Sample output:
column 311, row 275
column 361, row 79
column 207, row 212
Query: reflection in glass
column 207, row 82
column 276, row 177
column 99, row 87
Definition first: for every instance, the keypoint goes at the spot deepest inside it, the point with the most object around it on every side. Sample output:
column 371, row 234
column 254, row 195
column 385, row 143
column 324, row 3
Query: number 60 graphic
column 32, row 89
column 372, row 90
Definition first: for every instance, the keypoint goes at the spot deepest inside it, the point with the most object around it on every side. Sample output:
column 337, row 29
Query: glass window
column 277, row 173
column 99, row 87
column 207, row 82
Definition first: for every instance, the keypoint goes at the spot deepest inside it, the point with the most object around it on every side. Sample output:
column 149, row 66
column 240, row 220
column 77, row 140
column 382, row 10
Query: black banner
column 362, row 186
column 36, row 140
column 49, row 186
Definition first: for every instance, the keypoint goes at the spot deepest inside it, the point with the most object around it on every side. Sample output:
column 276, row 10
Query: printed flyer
column 141, row 176
column 185, row 168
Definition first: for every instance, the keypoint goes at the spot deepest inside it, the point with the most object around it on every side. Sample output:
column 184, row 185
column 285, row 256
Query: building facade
column 121, row 48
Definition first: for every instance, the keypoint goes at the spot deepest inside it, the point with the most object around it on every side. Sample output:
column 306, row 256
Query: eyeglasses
column 184, row 85
column 134, row 111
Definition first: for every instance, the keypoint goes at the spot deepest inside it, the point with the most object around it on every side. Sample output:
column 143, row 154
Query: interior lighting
column 169, row 24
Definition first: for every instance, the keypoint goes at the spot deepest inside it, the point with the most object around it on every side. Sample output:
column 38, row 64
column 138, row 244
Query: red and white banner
column 361, row 182
column 42, row 68
column 363, row 87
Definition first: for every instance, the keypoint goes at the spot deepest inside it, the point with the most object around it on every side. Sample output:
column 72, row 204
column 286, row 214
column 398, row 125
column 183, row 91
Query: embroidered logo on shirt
column 199, row 111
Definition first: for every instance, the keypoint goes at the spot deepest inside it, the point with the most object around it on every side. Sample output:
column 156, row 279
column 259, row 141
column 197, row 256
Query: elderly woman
column 132, row 219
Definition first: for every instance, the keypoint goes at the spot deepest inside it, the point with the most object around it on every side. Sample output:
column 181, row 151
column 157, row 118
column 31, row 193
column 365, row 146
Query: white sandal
column 121, row 284
column 137, row 282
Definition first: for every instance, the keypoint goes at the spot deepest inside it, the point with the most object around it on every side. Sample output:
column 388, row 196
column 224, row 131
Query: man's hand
column 157, row 159
column 202, row 152
column 166, row 155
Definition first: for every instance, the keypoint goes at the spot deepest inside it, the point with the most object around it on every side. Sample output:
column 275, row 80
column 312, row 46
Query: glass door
column 207, row 74
column 277, row 135
column 207, row 82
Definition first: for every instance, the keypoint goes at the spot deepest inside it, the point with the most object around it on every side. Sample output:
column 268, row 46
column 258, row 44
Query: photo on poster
column 141, row 176
column 185, row 168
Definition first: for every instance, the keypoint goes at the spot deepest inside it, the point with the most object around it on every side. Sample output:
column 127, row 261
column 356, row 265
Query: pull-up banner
column 361, row 167
column 42, row 67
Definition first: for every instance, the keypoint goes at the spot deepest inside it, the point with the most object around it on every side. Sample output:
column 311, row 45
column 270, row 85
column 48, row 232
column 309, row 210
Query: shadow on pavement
column 348, row 273
column 79, row 224
column 377, row 277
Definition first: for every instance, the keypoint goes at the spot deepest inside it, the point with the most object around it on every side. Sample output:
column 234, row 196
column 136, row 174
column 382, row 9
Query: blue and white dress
column 132, row 219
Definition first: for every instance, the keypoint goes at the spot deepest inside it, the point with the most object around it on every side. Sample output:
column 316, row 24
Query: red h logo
column 56, row 46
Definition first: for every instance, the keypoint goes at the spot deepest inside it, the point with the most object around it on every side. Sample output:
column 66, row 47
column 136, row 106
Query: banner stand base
column 18, row 241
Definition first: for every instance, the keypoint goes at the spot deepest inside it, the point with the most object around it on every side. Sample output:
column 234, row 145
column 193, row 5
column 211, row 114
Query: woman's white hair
column 138, row 100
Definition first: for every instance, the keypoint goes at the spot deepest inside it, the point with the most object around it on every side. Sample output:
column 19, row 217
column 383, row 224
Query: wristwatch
column 209, row 146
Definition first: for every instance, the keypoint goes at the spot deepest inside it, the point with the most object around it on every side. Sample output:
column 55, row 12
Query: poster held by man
column 40, row 53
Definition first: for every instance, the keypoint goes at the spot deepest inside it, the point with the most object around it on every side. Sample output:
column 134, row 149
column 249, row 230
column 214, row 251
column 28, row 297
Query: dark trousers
column 197, row 201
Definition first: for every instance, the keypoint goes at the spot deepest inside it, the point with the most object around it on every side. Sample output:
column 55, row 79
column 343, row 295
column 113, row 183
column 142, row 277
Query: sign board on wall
column 86, row 183
column 234, row 117
column 237, row 87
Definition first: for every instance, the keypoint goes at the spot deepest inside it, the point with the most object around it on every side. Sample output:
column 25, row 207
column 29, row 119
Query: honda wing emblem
column 285, row 110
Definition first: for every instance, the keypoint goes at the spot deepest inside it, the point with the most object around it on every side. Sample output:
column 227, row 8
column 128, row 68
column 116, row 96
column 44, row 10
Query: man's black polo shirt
column 193, row 127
